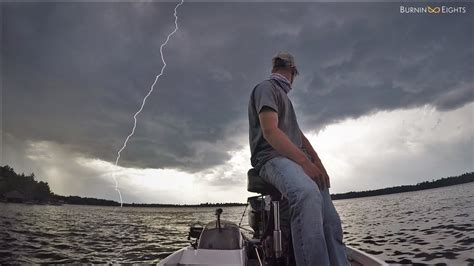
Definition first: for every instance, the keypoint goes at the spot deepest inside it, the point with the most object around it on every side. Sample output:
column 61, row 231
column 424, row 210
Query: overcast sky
column 386, row 98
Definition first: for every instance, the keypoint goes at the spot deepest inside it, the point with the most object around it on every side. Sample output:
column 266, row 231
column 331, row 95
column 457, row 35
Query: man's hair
column 280, row 64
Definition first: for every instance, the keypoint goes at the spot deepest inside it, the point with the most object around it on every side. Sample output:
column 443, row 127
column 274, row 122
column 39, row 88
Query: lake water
column 427, row 227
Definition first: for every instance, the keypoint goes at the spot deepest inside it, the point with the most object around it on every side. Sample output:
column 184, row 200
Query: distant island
column 21, row 188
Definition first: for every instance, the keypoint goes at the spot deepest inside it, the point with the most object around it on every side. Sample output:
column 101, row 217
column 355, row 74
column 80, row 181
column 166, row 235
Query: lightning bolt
column 144, row 99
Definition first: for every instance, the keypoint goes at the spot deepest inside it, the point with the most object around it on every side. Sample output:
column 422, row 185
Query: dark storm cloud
column 75, row 73
column 375, row 58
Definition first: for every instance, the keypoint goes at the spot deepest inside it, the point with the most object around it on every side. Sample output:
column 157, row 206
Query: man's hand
column 315, row 173
column 323, row 170
column 328, row 182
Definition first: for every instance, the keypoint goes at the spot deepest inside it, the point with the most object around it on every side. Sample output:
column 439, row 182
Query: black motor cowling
column 256, row 215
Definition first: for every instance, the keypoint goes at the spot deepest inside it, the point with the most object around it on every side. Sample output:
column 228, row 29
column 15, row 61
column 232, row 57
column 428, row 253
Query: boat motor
column 256, row 215
column 195, row 232
column 218, row 219
column 220, row 235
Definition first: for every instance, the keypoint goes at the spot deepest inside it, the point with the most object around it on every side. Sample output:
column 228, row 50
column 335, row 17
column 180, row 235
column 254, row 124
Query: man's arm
column 309, row 148
column 282, row 144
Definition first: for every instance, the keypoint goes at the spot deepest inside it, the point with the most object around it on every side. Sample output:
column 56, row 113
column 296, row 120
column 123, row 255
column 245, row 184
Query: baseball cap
column 284, row 59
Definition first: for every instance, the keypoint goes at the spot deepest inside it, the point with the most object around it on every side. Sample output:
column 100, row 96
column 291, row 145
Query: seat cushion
column 256, row 184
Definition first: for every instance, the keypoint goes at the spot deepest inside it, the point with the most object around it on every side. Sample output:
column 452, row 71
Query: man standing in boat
column 284, row 157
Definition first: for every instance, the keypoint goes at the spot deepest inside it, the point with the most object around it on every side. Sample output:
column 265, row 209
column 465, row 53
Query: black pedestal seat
column 256, row 184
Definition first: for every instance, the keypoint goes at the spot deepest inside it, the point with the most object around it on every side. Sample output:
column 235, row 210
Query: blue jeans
column 315, row 224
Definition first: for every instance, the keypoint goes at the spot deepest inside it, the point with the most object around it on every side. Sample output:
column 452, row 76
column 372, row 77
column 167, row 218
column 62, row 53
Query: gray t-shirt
column 271, row 93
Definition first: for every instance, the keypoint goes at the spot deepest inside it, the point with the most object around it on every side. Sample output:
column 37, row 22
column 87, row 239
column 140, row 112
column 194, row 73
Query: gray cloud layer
column 75, row 73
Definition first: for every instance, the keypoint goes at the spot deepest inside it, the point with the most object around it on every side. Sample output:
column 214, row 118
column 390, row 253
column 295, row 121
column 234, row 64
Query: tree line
column 26, row 189
column 443, row 182
column 23, row 187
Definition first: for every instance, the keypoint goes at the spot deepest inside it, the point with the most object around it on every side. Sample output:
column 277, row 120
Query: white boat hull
column 359, row 257
column 211, row 257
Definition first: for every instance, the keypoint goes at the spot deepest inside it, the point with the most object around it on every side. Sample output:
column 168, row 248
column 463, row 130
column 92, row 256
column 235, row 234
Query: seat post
column 277, row 231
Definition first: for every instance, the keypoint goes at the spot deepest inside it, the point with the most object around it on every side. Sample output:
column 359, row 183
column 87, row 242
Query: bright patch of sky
column 374, row 151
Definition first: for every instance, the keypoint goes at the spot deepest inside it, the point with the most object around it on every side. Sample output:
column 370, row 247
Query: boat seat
column 256, row 184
